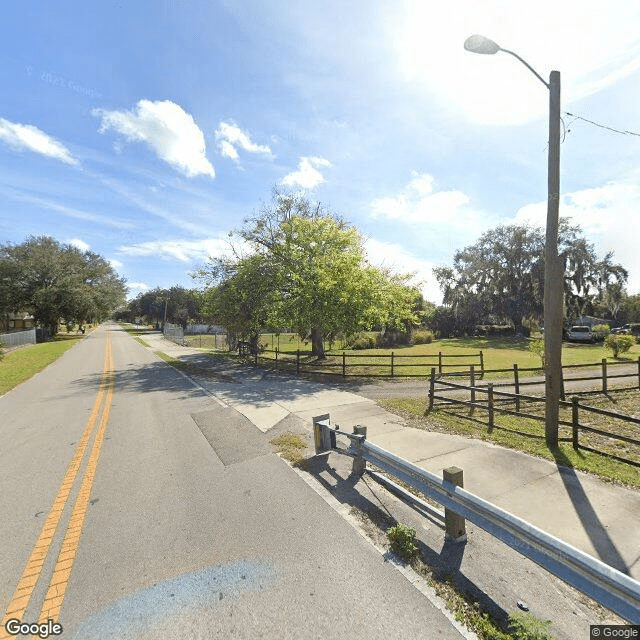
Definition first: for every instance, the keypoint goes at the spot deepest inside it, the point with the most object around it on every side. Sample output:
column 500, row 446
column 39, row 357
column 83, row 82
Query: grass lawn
column 19, row 365
column 527, row 434
column 498, row 353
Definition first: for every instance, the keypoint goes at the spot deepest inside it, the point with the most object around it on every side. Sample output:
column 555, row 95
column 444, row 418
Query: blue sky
column 146, row 131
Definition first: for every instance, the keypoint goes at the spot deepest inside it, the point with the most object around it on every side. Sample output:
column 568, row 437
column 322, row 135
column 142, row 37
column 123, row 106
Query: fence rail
column 608, row 586
column 384, row 365
column 491, row 406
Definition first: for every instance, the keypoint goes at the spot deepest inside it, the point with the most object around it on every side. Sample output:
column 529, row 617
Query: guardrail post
column 298, row 362
column 490, row 404
column 321, row 435
column 472, row 382
column 432, row 383
column 604, row 375
column 574, row 422
column 455, row 527
column 481, row 364
column 440, row 362
column 516, row 385
column 359, row 463
column 344, row 365
column 392, row 364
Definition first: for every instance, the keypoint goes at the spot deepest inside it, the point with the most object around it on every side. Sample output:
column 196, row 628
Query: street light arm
column 526, row 64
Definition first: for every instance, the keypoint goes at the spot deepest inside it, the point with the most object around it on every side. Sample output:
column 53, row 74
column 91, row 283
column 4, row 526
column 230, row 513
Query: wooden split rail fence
column 374, row 365
column 496, row 400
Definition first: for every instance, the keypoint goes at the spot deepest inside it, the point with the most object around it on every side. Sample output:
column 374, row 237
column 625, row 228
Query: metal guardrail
column 608, row 586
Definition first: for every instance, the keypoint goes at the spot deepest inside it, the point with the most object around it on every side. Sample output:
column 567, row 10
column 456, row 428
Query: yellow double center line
column 58, row 583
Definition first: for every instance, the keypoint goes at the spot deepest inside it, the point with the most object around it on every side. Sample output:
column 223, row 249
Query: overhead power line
column 602, row 126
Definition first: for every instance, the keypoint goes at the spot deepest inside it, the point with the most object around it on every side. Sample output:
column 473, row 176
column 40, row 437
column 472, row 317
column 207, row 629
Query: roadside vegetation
column 21, row 364
column 401, row 540
column 56, row 283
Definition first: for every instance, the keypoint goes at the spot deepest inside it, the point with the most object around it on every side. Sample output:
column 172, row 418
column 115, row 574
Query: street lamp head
column 480, row 44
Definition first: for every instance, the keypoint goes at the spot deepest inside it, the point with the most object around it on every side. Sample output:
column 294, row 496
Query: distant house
column 17, row 322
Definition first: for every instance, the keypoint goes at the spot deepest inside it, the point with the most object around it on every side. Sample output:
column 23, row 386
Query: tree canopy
column 502, row 276
column 57, row 282
column 178, row 305
column 305, row 269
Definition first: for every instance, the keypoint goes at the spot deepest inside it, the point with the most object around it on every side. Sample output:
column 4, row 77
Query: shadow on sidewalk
column 598, row 534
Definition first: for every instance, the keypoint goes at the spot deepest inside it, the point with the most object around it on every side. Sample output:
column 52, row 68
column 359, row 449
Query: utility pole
column 553, row 273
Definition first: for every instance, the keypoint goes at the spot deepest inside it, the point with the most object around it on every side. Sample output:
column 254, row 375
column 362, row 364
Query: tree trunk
column 253, row 343
column 317, row 343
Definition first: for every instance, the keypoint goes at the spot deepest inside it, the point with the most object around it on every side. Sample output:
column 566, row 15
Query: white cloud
column 44, row 203
column 609, row 216
column 307, row 176
column 180, row 250
column 28, row 137
column 169, row 130
column 116, row 264
column 230, row 136
column 397, row 259
column 436, row 213
column 137, row 286
column 79, row 244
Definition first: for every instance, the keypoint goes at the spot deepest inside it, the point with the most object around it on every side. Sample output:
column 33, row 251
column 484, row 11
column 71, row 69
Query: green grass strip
column 21, row 364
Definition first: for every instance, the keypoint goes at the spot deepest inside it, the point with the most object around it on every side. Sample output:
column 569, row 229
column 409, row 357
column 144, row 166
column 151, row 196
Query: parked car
column 624, row 329
column 584, row 333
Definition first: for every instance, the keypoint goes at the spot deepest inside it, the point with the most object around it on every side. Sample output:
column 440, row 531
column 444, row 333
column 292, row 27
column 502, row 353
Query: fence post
column 276, row 358
column 472, row 382
column 638, row 372
column 490, row 404
column 432, row 382
column 516, row 384
column 481, row 364
column 440, row 362
column 298, row 362
column 392, row 364
column 604, row 375
column 574, row 421
column 562, row 396
column 359, row 463
column 344, row 365
column 455, row 529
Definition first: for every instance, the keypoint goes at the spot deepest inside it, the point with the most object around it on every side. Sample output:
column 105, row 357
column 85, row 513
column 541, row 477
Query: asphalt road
column 134, row 505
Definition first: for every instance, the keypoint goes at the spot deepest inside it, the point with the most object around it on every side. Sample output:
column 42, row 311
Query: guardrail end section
column 320, row 432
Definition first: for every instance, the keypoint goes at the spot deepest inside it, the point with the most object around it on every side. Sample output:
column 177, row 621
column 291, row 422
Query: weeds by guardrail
column 608, row 586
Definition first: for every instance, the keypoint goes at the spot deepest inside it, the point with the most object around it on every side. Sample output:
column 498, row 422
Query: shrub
column 392, row 338
column 402, row 539
column 361, row 341
column 602, row 328
column 422, row 336
column 618, row 343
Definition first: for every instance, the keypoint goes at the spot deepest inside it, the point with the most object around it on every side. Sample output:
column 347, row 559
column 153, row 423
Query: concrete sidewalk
column 600, row 518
